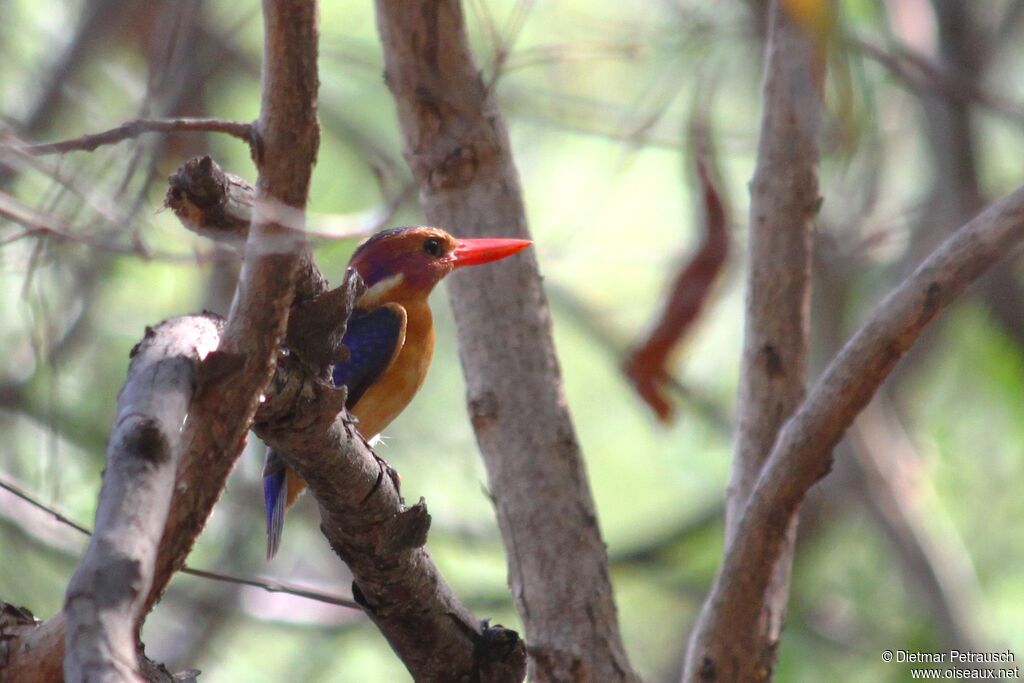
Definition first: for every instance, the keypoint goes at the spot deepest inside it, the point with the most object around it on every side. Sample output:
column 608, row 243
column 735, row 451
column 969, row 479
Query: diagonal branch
column 458, row 149
column 803, row 452
column 381, row 540
column 133, row 129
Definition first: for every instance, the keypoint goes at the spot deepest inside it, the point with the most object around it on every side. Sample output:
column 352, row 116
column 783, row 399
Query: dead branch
column 133, row 129
column 106, row 594
column 803, row 452
column 647, row 365
column 458, row 149
column 784, row 206
column 380, row 539
column 396, row 582
column 286, row 140
column 211, row 202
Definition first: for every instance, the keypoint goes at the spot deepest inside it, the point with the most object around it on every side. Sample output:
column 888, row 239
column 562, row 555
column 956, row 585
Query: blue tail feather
column 275, row 491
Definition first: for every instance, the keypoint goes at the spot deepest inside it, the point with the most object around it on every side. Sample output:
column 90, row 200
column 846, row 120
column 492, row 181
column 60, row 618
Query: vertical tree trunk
column 458, row 149
column 784, row 204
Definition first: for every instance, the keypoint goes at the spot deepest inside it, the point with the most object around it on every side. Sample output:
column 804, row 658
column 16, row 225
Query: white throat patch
column 379, row 291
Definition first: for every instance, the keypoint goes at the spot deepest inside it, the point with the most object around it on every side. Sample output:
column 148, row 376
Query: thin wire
column 269, row 586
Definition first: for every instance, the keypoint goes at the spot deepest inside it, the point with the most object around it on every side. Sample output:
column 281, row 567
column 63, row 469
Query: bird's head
column 407, row 262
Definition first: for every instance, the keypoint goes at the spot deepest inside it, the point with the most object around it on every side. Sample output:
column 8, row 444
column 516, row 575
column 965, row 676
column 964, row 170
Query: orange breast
column 395, row 388
column 392, row 392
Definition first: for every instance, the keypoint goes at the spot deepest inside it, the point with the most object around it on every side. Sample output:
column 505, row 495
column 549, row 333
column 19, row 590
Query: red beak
column 484, row 250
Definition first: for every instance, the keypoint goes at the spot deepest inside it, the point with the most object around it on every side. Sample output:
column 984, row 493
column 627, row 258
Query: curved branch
column 459, row 152
column 803, row 451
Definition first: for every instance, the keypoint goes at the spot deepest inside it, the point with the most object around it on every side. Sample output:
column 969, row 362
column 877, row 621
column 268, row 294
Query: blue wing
column 373, row 339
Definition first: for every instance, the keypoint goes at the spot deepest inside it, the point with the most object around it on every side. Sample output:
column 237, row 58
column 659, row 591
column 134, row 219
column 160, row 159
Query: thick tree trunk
column 458, row 149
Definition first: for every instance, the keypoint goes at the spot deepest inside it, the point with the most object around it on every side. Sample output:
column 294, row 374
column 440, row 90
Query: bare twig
column 133, row 129
column 803, row 452
column 784, row 205
column 923, row 75
column 265, row 584
column 458, row 149
column 41, row 226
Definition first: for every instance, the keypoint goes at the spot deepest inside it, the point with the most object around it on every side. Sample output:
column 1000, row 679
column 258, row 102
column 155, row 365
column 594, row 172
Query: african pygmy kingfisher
column 390, row 337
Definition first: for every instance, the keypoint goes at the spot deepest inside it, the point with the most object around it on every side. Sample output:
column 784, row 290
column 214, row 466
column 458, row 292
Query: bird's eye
column 432, row 246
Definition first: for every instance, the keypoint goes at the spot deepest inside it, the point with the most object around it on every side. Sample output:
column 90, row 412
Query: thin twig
column 133, row 129
column 922, row 74
column 265, row 584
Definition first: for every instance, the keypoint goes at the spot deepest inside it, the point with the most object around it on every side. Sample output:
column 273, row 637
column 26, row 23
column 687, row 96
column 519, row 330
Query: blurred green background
column 913, row 543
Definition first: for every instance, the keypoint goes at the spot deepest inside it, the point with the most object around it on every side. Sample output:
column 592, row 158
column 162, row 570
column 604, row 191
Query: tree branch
column 803, row 452
column 232, row 378
column 784, row 205
column 103, row 606
column 380, row 539
column 458, row 149
column 133, row 129
column 269, row 586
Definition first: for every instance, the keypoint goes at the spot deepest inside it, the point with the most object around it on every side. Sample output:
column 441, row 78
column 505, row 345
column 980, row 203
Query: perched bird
column 390, row 337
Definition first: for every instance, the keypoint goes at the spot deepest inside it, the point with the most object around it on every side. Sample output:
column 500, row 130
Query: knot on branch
column 210, row 201
column 301, row 394
column 499, row 655
column 142, row 439
column 405, row 531
column 296, row 400
column 317, row 326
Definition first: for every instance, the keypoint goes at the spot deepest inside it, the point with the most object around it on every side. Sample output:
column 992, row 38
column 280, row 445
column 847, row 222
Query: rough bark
column 803, row 452
column 286, row 139
column 103, row 606
column 380, row 539
column 458, row 149
column 784, row 205
column 364, row 517
column 231, row 379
